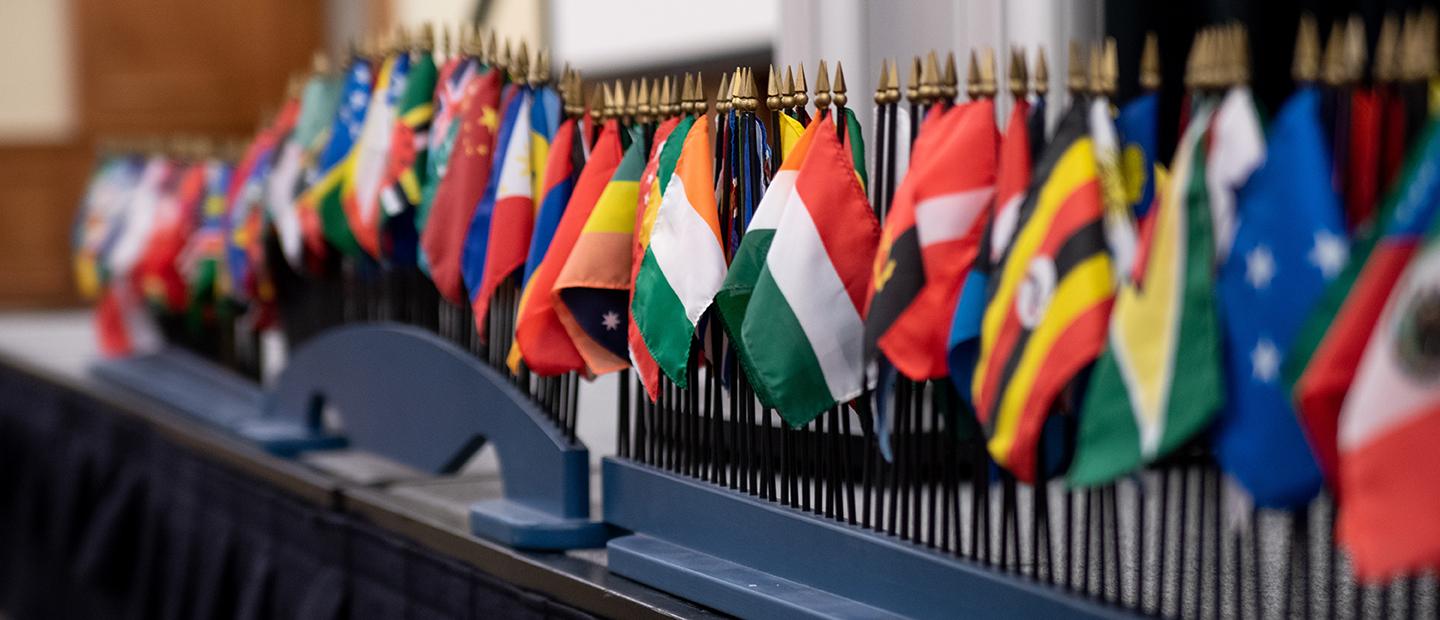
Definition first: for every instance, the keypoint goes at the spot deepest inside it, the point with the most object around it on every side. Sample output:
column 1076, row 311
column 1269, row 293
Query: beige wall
column 517, row 19
column 37, row 90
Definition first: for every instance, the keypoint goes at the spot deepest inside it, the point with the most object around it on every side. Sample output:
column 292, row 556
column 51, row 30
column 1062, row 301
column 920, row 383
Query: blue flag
column 1139, row 136
column 1289, row 243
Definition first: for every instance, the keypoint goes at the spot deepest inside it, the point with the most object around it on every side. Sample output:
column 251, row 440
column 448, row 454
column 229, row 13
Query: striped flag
column 651, row 189
column 563, row 163
column 1012, row 178
column 403, row 179
column 1049, row 302
column 805, row 331
column 454, row 83
column 1389, row 428
column 510, row 204
column 1332, row 343
column 542, row 340
column 684, row 263
column 176, row 216
column 593, row 287
column 930, row 240
column 318, row 102
column 322, row 200
column 734, row 295
column 366, row 175
column 1138, row 407
column 459, row 192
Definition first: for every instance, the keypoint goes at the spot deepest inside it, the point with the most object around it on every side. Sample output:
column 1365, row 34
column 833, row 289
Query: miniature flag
column 734, row 295
column 322, row 199
column 931, row 237
column 176, row 217
column 684, row 263
column 790, row 132
column 318, row 103
column 1290, row 244
column 1330, row 346
column 1139, row 127
column 1159, row 381
column 543, row 342
column 510, row 206
column 804, row 330
column 1050, row 300
column 406, row 164
column 1237, row 148
column 1389, row 516
column 663, row 155
column 467, row 175
column 593, row 287
column 563, row 164
column 366, row 175
column 1012, row 178
column 454, row 84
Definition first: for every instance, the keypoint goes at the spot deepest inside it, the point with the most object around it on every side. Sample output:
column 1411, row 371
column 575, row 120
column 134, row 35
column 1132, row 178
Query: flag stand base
column 199, row 389
column 754, row 558
column 404, row 393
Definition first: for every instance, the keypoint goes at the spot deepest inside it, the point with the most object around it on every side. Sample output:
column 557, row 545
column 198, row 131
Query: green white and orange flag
column 804, row 332
column 734, row 295
column 1138, row 407
column 684, row 264
column 664, row 154
column 594, row 285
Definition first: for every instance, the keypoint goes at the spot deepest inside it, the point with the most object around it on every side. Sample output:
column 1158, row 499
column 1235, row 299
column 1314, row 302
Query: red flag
column 177, row 215
column 468, row 173
column 1394, row 139
column 931, row 238
column 543, row 341
column 1362, row 187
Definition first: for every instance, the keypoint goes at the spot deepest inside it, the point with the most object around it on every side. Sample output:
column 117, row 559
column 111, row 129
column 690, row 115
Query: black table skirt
column 103, row 517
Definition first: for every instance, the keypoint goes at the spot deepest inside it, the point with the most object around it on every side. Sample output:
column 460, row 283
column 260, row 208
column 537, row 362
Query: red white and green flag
column 804, row 330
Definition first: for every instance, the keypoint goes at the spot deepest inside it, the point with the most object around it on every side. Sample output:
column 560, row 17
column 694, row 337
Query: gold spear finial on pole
column 772, row 90
column 838, row 87
column 1019, row 73
column 881, row 82
column 930, row 78
column 1333, row 69
column 1356, row 53
column 801, row 92
column 822, row 87
column 988, row 84
column 1150, row 63
column 725, row 95
column 1383, row 66
column 1042, row 73
column 1095, row 78
column 702, row 98
column 687, row 94
column 950, row 82
column 1076, row 80
column 972, row 77
column 1306, row 64
column 787, row 89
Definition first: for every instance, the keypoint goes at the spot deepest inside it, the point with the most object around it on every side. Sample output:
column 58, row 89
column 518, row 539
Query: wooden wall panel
column 144, row 67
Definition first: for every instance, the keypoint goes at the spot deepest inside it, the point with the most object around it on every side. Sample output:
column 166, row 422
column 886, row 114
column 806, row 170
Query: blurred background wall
column 75, row 73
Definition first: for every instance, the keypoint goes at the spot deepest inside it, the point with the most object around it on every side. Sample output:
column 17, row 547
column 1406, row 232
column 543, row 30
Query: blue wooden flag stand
column 405, row 394
column 757, row 559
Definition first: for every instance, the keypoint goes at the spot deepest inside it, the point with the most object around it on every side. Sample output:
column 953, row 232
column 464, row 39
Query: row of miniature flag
column 1074, row 283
